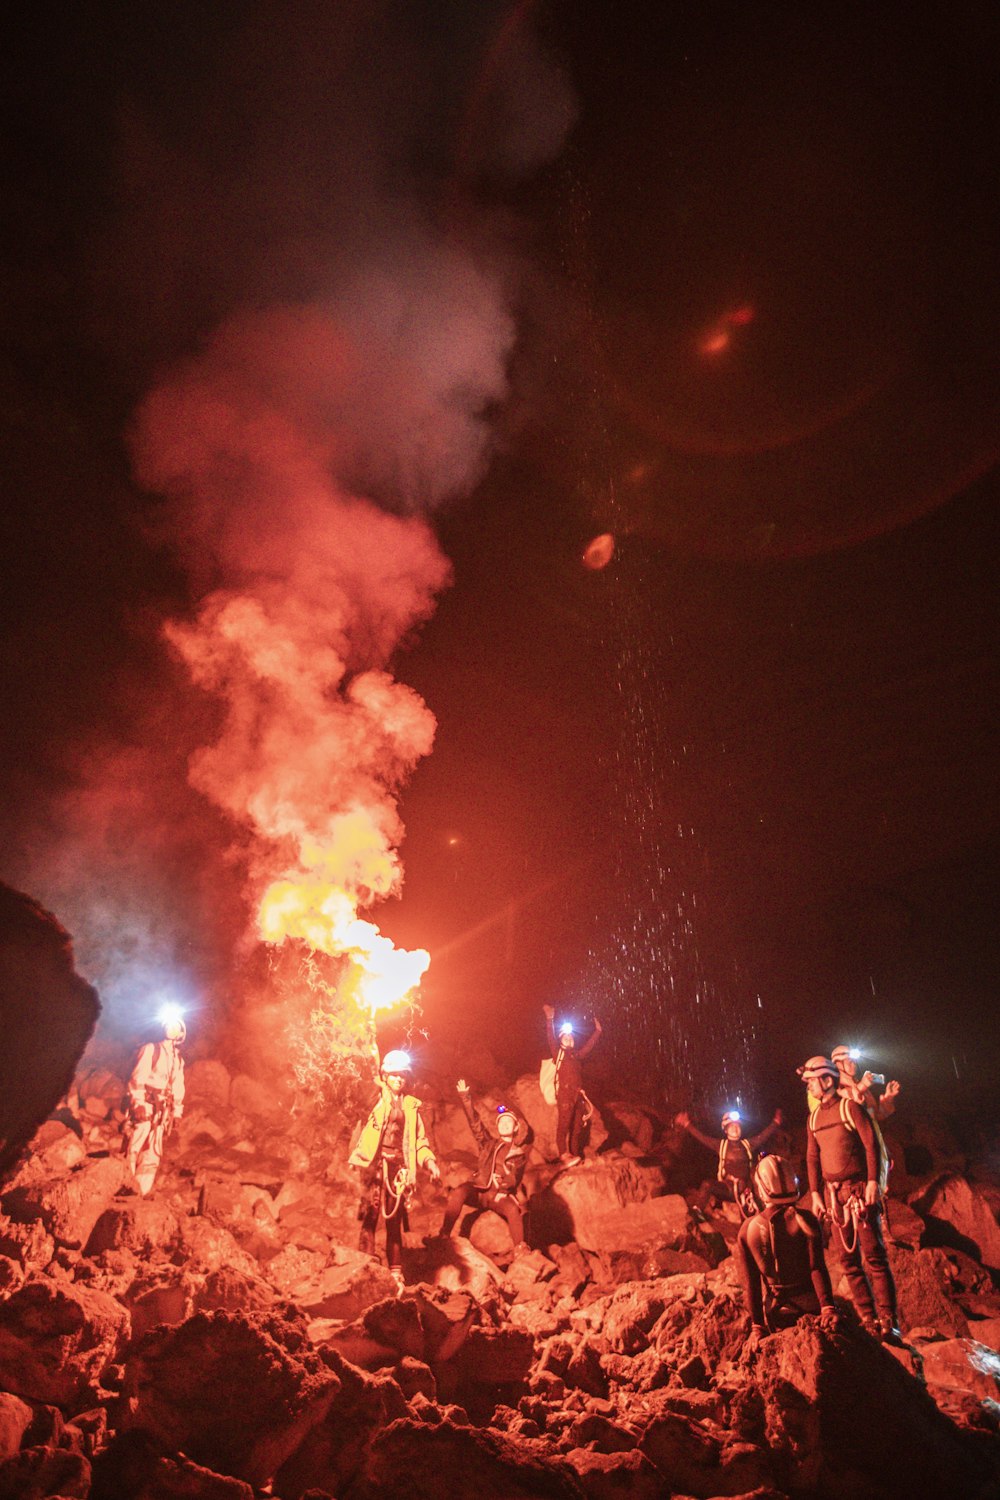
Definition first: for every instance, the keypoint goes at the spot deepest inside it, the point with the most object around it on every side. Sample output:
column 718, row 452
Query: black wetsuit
column 569, row 1091
column 843, row 1158
column 779, row 1253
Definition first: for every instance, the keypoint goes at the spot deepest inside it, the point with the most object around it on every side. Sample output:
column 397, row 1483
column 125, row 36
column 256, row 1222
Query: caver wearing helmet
column 736, row 1154
column 391, row 1148
column 155, row 1101
column 499, row 1172
column 779, row 1254
column 775, row 1181
column 572, row 1105
column 844, row 1162
column 861, row 1086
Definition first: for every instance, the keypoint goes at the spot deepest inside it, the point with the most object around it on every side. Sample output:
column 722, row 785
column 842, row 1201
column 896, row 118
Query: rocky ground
column 223, row 1339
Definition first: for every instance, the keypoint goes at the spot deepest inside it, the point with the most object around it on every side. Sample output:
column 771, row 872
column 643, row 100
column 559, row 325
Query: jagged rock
column 224, row 1390
column 903, row 1226
column 328, row 1457
column 496, row 1356
column 38, row 1472
column 842, row 1417
column 135, row 1467
column 293, row 1269
column 229, row 1290
column 343, row 1290
column 209, row 1080
column 207, row 1246
column 29, row 1244
column 55, row 1339
column 608, row 1476
column 413, row 1376
column 921, row 1277
column 69, row 1206
column 141, row 1225
column 49, row 1014
column 198, row 1126
column 161, row 1297
column 52, row 1151
column 235, row 1204
column 630, row 1314
column 956, row 1215
column 455, row 1265
column 448, row 1459
column 15, row 1419
column 684, row 1451
column 601, row 1434
column 11, row 1275
column 962, row 1365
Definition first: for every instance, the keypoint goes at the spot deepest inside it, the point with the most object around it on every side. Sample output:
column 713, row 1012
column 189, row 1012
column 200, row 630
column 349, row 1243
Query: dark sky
column 736, row 792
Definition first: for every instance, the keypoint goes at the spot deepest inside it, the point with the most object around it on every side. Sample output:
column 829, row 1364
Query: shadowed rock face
column 48, row 1013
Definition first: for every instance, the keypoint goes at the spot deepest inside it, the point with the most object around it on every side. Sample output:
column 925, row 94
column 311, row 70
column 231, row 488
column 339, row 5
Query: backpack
column 547, row 1080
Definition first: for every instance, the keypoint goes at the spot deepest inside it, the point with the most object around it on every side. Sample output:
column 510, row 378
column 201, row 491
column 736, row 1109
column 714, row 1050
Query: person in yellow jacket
column 390, row 1150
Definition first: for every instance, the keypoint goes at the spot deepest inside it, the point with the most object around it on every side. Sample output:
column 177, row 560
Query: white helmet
column 396, row 1061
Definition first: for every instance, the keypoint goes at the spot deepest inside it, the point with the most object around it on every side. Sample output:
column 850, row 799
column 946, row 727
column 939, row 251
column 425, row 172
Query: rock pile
column 222, row 1340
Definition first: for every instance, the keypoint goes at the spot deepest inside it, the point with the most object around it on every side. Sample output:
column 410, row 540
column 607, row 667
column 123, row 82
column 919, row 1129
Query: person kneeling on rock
column 391, row 1148
column 779, row 1254
column 502, row 1159
column 737, row 1154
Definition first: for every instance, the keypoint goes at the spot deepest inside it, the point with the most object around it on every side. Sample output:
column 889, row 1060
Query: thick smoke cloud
column 330, row 316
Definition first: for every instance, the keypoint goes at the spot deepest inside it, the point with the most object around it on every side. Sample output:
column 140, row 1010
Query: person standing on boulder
column 737, row 1154
column 861, row 1088
column 572, row 1104
column 155, row 1099
column 391, row 1148
column 779, row 1254
column 843, row 1163
column 502, row 1159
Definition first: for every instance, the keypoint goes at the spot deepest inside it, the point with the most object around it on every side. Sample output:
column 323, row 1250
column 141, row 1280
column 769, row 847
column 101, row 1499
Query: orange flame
column 325, row 918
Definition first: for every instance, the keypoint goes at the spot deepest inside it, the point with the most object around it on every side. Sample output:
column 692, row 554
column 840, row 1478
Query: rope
column 852, row 1214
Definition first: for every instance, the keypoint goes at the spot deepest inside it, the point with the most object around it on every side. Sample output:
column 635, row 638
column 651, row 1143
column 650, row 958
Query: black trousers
column 569, row 1121
column 467, row 1195
column 861, row 1249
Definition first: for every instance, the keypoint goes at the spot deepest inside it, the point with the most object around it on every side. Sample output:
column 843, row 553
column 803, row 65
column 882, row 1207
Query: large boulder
column 142, row 1225
column 957, row 1215
column 576, row 1200
column 962, row 1365
column 69, row 1206
column 48, row 1014
column 15, row 1419
column 222, row 1388
column 56, row 1339
column 526, row 1097
column 42, row 1471
column 922, row 1282
column 842, row 1416
column 329, row 1455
